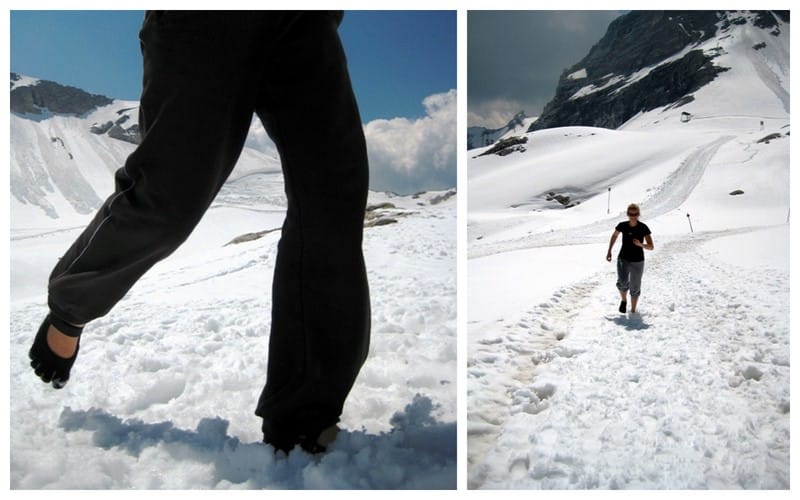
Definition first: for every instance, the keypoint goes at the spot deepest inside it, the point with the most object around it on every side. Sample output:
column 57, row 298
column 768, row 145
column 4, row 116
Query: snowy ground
column 163, row 392
column 564, row 392
column 691, row 393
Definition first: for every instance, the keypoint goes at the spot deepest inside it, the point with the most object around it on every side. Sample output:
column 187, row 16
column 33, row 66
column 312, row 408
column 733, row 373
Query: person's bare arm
column 611, row 244
column 648, row 245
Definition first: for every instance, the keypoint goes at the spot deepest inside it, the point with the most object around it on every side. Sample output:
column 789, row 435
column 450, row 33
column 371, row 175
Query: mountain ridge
column 478, row 136
column 648, row 60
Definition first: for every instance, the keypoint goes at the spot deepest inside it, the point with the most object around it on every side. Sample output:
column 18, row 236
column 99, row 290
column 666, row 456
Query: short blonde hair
column 634, row 206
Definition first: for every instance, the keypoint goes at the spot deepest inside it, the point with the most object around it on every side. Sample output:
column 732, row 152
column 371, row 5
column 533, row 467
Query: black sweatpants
column 205, row 74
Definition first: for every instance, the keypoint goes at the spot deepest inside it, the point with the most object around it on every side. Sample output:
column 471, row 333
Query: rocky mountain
column 478, row 137
column 38, row 99
column 67, row 143
column 30, row 96
column 653, row 59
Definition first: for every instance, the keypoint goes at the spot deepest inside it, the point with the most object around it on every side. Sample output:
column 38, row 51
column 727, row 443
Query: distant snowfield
column 163, row 392
column 693, row 392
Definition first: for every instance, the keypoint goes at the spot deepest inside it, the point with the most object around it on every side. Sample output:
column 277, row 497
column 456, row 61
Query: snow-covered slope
column 652, row 153
column 692, row 392
column 62, row 164
column 163, row 392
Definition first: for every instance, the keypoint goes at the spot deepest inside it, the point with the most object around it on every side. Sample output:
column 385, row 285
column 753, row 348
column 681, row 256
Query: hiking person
column 630, row 261
column 204, row 75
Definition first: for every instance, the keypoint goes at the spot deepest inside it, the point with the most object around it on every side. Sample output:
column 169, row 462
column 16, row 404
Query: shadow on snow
column 630, row 322
column 419, row 452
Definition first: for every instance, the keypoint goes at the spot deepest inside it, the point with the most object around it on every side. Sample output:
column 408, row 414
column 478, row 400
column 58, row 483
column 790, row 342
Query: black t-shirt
column 631, row 252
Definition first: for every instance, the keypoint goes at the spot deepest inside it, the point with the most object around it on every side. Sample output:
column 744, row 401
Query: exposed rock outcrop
column 53, row 97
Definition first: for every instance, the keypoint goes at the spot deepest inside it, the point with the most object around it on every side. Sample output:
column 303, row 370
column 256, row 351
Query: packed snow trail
column 692, row 393
column 680, row 183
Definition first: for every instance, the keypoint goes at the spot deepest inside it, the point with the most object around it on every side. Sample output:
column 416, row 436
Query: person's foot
column 324, row 439
column 622, row 306
column 311, row 445
column 62, row 345
column 53, row 353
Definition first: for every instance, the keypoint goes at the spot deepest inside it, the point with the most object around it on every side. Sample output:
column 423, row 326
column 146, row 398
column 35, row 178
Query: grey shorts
column 629, row 276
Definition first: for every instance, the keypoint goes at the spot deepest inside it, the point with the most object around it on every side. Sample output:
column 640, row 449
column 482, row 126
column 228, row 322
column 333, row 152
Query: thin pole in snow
column 609, row 200
column 787, row 215
column 690, row 222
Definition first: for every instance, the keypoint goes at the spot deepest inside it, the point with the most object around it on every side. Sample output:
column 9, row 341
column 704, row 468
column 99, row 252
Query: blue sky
column 396, row 58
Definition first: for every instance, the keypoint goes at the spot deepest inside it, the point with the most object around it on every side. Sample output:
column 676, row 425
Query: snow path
column 680, row 184
column 573, row 394
column 664, row 198
column 770, row 79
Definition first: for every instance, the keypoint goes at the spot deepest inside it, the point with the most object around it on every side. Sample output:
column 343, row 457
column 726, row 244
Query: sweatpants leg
column 622, row 276
column 629, row 276
column 636, row 269
column 195, row 112
column 320, row 313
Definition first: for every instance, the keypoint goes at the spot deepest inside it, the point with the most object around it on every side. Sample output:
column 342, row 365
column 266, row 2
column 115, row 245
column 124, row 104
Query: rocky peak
column 643, row 38
column 481, row 136
column 40, row 96
column 646, row 60
column 518, row 120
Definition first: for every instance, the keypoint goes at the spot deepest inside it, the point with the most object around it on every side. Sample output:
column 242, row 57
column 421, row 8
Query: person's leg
column 636, row 271
column 622, row 284
column 320, row 304
column 196, row 106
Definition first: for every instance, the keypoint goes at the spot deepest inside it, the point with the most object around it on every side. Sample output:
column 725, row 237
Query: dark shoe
column 49, row 366
column 318, row 444
column 322, row 441
column 622, row 306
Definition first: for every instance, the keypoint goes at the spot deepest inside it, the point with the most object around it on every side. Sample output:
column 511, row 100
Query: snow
column 692, row 392
column 577, row 75
column 24, row 81
column 591, row 89
column 61, row 172
column 520, row 129
column 643, row 72
column 761, row 249
column 521, row 270
column 163, row 392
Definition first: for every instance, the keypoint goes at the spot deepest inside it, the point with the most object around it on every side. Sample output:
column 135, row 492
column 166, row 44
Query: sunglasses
column 632, row 214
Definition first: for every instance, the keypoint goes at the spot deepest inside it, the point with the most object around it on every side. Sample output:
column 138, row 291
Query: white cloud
column 407, row 156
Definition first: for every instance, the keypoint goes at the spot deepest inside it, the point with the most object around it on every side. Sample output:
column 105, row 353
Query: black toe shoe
column 622, row 306
column 313, row 443
column 50, row 367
